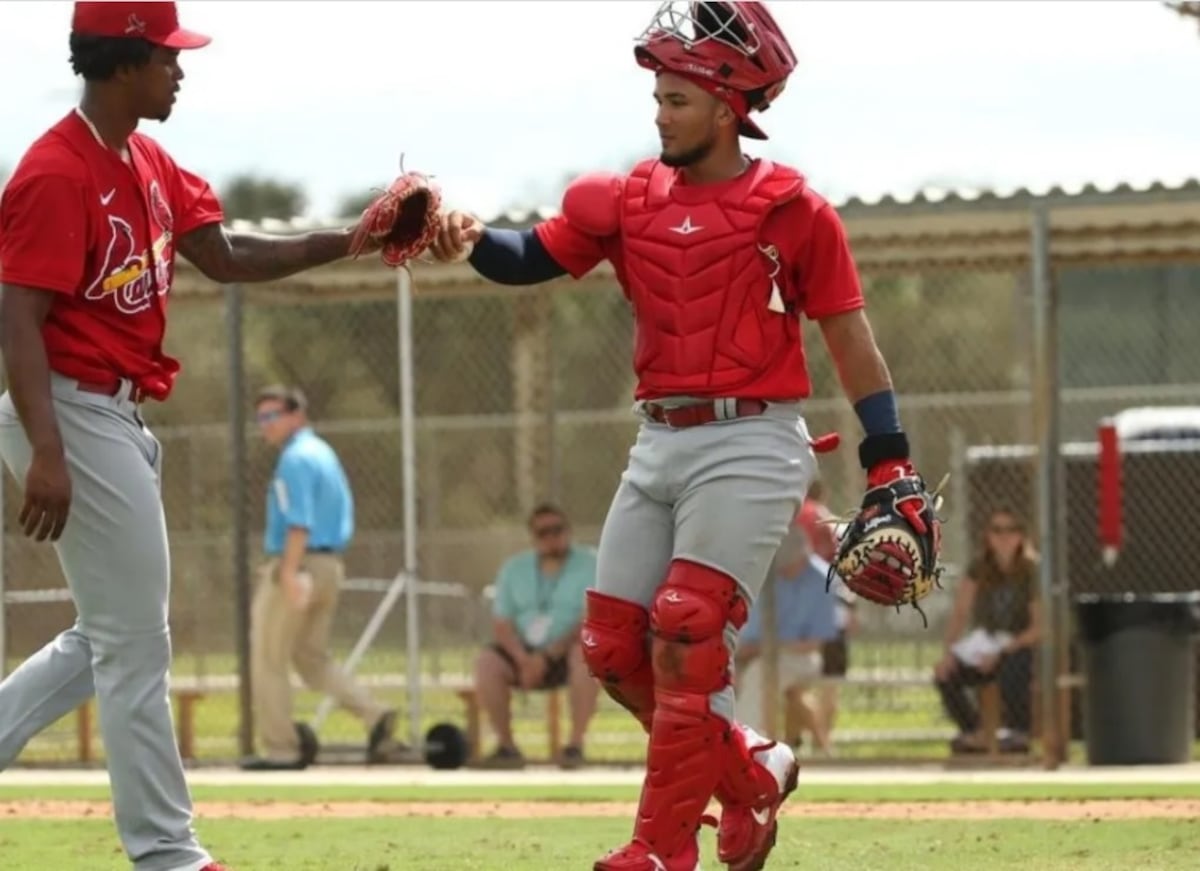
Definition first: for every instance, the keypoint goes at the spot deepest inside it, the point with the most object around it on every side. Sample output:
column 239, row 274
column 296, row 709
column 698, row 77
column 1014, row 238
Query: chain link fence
column 523, row 395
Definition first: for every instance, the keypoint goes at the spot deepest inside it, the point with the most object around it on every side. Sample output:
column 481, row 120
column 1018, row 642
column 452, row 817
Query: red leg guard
column 616, row 648
column 687, row 740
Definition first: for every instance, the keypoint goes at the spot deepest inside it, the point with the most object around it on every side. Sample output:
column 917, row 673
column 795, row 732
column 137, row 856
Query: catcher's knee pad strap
column 615, row 641
column 688, row 620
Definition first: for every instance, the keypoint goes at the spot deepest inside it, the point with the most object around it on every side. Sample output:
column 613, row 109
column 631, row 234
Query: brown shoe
column 504, row 757
column 571, row 758
column 382, row 745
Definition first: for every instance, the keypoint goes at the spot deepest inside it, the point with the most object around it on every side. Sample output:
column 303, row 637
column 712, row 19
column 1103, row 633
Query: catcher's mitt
column 888, row 552
column 403, row 221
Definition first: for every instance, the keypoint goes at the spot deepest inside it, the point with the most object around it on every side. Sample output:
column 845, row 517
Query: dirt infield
column 1116, row 809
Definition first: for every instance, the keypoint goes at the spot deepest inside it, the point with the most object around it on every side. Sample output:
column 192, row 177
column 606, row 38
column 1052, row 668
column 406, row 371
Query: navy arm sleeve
column 514, row 257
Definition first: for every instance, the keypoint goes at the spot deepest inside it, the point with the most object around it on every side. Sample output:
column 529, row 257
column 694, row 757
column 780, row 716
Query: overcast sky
column 889, row 95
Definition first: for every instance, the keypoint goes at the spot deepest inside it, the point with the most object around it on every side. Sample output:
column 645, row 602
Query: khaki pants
column 795, row 670
column 280, row 637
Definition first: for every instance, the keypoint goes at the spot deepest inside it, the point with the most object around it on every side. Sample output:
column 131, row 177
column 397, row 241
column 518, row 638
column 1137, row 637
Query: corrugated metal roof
column 967, row 199
column 933, row 229
column 923, row 201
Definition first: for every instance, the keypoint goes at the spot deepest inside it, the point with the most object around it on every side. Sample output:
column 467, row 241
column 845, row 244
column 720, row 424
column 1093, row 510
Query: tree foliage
column 252, row 198
column 352, row 205
column 1185, row 9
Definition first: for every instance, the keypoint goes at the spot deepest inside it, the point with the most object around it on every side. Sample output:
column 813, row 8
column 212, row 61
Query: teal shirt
column 309, row 490
column 527, row 599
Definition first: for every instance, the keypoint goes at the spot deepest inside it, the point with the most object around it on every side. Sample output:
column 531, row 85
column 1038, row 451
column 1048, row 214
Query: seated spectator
column 804, row 620
column 539, row 603
column 815, row 517
column 997, row 599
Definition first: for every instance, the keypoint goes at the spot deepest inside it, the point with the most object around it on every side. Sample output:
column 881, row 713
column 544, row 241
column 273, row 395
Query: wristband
column 878, row 413
column 875, row 449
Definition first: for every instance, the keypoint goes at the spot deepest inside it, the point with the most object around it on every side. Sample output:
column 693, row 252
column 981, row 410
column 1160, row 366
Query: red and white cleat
column 636, row 856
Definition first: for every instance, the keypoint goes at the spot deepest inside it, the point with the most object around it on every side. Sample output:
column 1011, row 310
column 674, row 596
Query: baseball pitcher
column 90, row 225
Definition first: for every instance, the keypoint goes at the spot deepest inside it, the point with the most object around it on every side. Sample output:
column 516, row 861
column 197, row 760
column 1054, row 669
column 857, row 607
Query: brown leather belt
column 112, row 388
column 704, row 412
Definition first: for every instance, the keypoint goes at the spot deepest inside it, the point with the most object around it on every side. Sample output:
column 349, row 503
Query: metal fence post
column 239, row 474
column 1048, row 487
column 408, row 460
column 546, row 322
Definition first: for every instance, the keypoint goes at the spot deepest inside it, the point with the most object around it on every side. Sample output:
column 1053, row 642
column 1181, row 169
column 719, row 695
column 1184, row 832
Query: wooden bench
column 871, row 678
column 991, row 713
column 187, row 692
column 475, row 722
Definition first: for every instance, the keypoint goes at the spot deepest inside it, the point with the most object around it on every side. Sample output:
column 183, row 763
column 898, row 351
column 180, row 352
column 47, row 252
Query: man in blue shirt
column 310, row 521
column 539, row 601
column 805, row 618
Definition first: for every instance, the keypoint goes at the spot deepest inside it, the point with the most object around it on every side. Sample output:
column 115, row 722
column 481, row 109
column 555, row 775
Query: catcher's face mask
column 735, row 50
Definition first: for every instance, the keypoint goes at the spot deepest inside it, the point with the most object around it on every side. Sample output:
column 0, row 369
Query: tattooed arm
column 228, row 257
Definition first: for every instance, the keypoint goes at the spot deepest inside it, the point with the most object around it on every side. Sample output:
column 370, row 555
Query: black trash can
column 1140, row 666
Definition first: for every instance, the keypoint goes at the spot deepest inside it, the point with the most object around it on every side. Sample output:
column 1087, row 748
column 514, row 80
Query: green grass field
column 514, row 845
column 546, row 838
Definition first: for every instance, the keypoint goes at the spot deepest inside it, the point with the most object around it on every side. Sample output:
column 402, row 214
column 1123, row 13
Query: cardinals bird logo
column 124, row 274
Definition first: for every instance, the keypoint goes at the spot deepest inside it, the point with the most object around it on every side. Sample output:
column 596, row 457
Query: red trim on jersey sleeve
column 43, row 233
column 831, row 282
column 572, row 249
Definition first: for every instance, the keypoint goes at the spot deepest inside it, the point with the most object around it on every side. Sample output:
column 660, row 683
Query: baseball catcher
column 721, row 254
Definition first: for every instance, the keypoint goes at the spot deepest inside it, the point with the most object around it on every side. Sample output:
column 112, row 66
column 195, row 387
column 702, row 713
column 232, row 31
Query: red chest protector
column 700, row 277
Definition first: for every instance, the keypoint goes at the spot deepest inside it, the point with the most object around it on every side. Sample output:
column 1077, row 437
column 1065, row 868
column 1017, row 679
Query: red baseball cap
column 154, row 22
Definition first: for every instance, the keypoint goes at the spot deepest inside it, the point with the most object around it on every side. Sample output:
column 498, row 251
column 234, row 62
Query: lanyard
column 547, row 585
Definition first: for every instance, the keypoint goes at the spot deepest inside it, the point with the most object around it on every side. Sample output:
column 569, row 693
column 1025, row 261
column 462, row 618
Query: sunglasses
column 268, row 416
column 548, row 531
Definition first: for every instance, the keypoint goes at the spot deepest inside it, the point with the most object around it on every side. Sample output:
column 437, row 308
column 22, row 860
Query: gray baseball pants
column 114, row 554
column 722, row 495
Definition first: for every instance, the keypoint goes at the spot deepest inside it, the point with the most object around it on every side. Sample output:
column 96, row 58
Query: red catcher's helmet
column 733, row 50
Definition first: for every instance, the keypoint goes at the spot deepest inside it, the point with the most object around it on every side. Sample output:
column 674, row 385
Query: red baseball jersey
column 78, row 221
column 819, row 276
